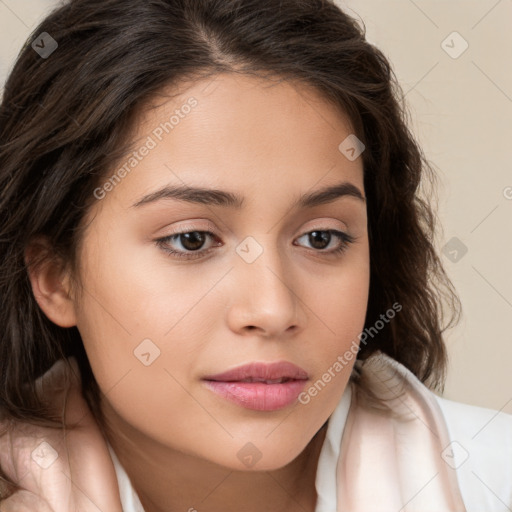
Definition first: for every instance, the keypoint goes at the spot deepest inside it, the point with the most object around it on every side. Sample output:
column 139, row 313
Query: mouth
column 273, row 372
column 257, row 379
column 260, row 386
column 259, row 394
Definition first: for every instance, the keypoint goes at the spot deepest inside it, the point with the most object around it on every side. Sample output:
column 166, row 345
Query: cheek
column 341, row 297
column 139, row 326
column 131, row 288
column 143, row 319
column 339, row 305
column 347, row 303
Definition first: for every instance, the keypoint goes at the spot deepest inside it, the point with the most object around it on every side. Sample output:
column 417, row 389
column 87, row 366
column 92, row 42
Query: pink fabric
column 390, row 454
column 82, row 478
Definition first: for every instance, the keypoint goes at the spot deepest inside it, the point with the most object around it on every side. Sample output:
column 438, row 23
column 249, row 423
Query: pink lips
column 274, row 385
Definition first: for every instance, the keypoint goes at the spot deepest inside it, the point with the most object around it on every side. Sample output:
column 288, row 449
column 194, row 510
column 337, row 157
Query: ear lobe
column 50, row 281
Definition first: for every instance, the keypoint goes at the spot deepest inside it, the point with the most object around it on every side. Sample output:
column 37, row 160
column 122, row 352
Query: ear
column 51, row 283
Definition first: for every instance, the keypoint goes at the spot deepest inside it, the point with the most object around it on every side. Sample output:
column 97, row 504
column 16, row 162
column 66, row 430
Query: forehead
column 244, row 133
column 245, row 104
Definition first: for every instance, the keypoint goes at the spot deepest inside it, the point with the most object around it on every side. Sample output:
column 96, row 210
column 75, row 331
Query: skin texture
column 178, row 441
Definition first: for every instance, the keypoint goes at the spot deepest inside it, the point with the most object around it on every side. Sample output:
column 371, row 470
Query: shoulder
column 481, row 452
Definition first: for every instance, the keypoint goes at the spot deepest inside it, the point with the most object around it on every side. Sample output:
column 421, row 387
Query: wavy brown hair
column 67, row 119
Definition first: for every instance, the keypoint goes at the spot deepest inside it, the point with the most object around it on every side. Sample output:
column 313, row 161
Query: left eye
column 321, row 237
column 193, row 241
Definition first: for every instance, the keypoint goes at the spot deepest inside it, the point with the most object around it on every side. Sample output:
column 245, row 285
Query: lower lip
column 258, row 395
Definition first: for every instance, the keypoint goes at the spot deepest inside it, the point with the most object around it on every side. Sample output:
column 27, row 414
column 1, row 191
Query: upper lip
column 264, row 371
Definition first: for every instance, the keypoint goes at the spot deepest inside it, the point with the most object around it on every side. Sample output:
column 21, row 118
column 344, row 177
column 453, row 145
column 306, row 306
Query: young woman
column 218, row 284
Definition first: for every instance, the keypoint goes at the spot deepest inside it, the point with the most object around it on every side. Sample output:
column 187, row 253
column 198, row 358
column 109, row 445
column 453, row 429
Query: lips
column 260, row 386
column 269, row 373
column 266, row 381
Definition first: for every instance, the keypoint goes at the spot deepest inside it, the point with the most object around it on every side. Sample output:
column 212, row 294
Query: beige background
column 461, row 110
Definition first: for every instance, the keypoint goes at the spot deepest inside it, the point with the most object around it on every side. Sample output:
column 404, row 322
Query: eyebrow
column 214, row 197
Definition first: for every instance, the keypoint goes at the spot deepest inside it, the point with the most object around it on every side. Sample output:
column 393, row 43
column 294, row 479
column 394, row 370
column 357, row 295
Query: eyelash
column 162, row 244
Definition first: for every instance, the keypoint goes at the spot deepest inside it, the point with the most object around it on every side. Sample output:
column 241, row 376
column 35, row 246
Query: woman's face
column 257, row 289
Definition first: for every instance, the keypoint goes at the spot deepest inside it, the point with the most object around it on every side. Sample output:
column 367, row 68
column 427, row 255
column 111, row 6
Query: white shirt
column 480, row 451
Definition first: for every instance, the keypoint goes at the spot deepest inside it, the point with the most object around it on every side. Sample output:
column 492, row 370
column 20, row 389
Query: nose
column 263, row 295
